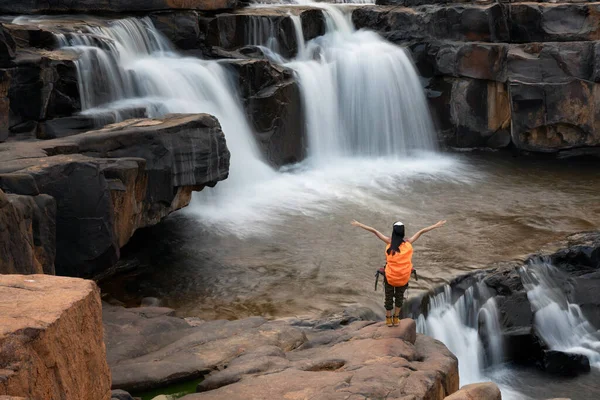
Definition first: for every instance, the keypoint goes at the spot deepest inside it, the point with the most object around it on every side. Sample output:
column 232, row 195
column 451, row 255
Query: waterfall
column 560, row 323
column 457, row 325
column 361, row 94
column 129, row 64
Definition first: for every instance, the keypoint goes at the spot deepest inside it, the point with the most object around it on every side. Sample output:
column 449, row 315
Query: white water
column 560, row 323
column 129, row 64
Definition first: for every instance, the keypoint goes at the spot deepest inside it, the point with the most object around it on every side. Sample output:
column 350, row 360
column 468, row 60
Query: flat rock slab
column 51, row 338
column 477, row 391
column 255, row 358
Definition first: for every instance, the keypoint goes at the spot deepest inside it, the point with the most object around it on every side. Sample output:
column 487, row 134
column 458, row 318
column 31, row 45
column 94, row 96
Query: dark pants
column 392, row 292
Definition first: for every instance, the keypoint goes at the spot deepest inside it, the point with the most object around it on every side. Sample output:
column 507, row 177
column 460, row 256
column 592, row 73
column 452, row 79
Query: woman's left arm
column 425, row 230
column 380, row 235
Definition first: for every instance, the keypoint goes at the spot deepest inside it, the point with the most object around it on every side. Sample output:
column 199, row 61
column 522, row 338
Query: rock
column 110, row 182
column 164, row 397
column 120, row 395
column 553, row 117
column 550, row 62
column 461, row 22
column 27, row 234
column 7, row 47
column 182, row 28
column 515, row 311
column 586, row 296
column 271, row 27
column 477, row 391
column 564, row 364
column 274, row 107
column 52, row 343
column 119, row 6
column 543, row 22
column 371, row 359
column 150, row 302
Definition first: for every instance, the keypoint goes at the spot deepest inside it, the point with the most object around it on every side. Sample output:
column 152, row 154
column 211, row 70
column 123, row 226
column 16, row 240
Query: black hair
column 397, row 239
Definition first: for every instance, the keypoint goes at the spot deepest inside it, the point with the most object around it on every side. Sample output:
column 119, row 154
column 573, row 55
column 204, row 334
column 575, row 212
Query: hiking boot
column 396, row 320
column 388, row 321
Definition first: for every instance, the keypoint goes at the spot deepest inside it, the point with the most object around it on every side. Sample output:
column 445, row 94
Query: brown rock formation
column 477, row 391
column 51, row 345
column 255, row 358
column 27, row 234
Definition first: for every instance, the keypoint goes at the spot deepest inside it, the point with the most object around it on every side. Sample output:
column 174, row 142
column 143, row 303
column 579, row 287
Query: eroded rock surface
column 110, row 182
column 256, row 358
column 51, row 345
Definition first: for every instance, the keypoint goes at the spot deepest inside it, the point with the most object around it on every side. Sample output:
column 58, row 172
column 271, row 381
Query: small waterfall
column 361, row 94
column 129, row 64
column 560, row 323
column 468, row 327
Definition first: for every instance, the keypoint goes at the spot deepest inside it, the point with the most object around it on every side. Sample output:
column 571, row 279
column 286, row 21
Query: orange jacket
column 399, row 265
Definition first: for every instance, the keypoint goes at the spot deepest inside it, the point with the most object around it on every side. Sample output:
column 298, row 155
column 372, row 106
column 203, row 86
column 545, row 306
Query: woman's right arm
column 372, row 230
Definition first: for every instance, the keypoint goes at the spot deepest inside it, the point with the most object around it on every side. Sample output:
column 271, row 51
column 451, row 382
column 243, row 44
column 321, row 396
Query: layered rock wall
column 506, row 73
column 51, row 345
column 108, row 183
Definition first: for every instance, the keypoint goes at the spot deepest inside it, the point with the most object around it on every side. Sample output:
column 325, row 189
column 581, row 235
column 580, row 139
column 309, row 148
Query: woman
column 398, row 254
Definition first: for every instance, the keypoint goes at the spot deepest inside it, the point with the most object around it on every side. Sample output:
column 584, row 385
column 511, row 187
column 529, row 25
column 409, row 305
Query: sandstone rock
column 27, row 234
column 127, row 176
column 119, row 6
column 477, row 391
column 552, row 117
column 51, row 345
column 564, row 364
column 364, row 358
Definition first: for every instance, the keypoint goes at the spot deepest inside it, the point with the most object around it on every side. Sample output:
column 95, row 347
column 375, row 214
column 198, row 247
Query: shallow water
column 286, row 247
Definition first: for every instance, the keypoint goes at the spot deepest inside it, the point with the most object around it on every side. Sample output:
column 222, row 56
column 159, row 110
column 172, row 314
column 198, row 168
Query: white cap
column 398, row 223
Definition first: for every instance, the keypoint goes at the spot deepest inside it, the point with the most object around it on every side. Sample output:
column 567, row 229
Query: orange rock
column 51, row 339
column 477, row 391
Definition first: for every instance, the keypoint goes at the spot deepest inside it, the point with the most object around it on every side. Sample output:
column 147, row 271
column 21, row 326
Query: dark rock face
column 273, row 105
column 541, row 58
column 110, row 182
column 119, row 6
column 564, row 364
column 27, row 234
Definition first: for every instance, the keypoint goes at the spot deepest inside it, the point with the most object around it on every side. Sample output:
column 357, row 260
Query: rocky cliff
column 104, row 185
column 51, row 345
column 522, row 74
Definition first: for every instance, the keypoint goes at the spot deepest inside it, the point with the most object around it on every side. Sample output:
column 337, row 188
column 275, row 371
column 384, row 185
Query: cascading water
column 129, row 64
column 560, row 323
column 361, row 94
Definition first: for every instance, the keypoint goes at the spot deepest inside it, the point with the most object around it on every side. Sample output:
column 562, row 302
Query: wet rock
column 271, row 27
column 7, row 47
column 273, row 105
column 52, row 343
column 27, row 234
column 485, row 23
column 564, row 364
column 120, row 395
column 101, row 6
column 151, row 302
column 586, row 296
column 550, row 62
column 181, row 28
column 553, row 117
column 543, row 22
column 110, row 182
column 477, row 391
column 515, row 311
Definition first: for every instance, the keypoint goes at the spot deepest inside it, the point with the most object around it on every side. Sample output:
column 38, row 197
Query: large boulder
column 564, row 364
column 51, row 339
column 477, row 391
column 110, row 182
column 116, row 6
column 272, row 101
column 27, row 234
